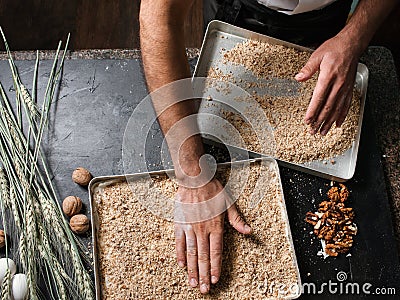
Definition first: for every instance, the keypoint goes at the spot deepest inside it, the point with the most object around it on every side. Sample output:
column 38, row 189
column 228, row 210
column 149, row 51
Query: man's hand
column 336, row 62
column 199, row 245
column 164, row 61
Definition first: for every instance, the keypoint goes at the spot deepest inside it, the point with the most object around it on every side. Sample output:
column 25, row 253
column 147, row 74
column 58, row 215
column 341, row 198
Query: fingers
column 180, row 245
column 328, row 113
column 345, row 109
column 216, row 246
column 311, row 67
column 236, row 220
column 204, row 263
column 321, row 91
column 328, row 123
column 204, row 256
column 332, row 109
column 335, row 114
column 191, row 256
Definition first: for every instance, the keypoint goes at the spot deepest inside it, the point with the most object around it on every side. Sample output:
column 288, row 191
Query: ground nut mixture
column 266, row 60
column 136, row 249
column 273, row 68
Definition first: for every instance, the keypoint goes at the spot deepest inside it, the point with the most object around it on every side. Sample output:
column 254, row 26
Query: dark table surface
column 87, row 125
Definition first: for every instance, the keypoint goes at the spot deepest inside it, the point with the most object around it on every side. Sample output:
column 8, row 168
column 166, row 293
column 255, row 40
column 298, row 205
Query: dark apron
column 308, row 29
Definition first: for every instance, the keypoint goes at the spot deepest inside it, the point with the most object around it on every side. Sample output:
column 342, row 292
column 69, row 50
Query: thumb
column 236, row 220
column 311, row 67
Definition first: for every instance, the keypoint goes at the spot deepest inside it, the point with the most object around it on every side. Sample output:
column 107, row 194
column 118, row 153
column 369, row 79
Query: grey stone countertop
column 385, row 104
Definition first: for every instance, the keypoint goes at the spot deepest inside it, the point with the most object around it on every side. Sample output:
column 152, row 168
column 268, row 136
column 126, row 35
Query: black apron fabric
column 307, row 29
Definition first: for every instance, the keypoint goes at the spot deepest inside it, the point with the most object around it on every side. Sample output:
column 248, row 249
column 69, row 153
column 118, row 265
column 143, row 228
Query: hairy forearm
column 365, row 21
column 165, row 61
column 162, row 41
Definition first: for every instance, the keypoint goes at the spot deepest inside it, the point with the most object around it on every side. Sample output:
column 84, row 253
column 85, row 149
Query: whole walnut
column 79, row 224
column 2, row 238
column 81, row 176
column 72, row 205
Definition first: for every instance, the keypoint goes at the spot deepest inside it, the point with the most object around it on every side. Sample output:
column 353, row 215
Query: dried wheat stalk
column 45, row 241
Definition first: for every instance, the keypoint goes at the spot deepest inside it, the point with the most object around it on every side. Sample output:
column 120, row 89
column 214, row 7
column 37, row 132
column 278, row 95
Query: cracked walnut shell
column 72, row 205
column 333, row 222
column 81, row 176
column 79, row 224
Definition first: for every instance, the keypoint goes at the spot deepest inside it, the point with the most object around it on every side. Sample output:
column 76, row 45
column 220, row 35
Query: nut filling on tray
column 136, row 249
column 284, row 102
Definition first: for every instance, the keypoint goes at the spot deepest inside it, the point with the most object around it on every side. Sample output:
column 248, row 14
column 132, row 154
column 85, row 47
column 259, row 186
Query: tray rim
column 96, row 181
column 361, row 68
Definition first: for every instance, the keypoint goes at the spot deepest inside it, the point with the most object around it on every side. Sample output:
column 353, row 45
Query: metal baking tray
column 221, row 36
column 99, row 183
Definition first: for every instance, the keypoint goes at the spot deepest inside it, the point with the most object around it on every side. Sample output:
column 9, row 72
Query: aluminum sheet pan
column 97, row 184
column 221, row 36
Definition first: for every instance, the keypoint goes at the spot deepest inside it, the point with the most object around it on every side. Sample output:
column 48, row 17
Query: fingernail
column 204, row 288
column 214, row 279
column 324, row 132
column 193, row 282
column 181, row 264
column 299, row 76
column 247, row 228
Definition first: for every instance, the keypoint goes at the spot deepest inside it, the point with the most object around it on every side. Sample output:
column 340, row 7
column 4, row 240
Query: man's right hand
column 199, row 245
